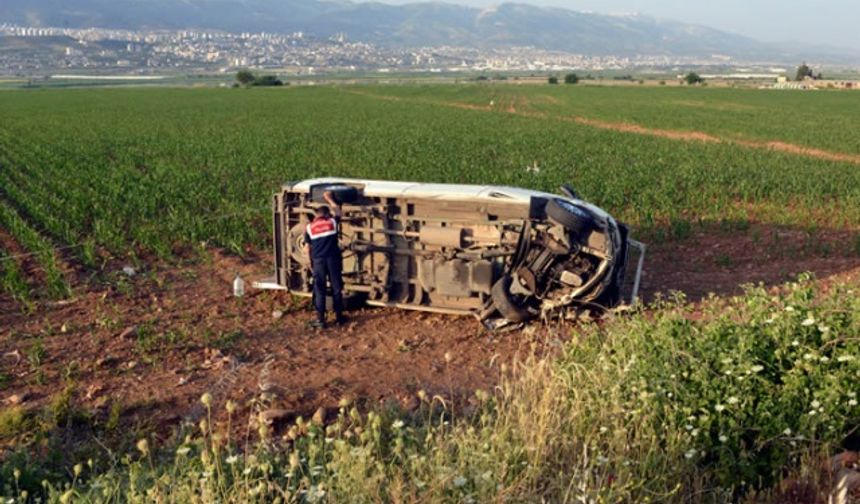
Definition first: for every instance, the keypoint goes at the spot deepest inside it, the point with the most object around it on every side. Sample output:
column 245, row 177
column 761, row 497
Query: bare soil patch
column 729, row 106
column 154, row 342
column 689, row 136
column 801, row 150
column 721, row 262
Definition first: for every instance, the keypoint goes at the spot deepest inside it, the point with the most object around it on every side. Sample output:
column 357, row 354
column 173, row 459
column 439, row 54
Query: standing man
column 326, row 261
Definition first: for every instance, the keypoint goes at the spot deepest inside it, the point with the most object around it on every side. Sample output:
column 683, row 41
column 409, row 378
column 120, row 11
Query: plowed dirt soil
column 152, row 343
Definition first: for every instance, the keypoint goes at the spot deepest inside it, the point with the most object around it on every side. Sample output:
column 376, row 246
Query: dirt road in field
column 152, row 343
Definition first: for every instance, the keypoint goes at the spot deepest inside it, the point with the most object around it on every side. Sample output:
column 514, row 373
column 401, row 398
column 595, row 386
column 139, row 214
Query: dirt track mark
column 801, row 150
column 728, row 106
column 688, row 136
column 698, row 136
column 680, row 135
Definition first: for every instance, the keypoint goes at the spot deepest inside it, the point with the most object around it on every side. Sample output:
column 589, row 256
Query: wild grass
column 660, row 406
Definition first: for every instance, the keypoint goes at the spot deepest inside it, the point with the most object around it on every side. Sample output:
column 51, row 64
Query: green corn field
column 134, row 172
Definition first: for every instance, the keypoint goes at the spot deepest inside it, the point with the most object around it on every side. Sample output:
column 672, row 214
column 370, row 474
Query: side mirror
column 569, row 191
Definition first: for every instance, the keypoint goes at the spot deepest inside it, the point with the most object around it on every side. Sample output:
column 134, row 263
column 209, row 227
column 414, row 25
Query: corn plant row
column 12, row 279
column 32, row 241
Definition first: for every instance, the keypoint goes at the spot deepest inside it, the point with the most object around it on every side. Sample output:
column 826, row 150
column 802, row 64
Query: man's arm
column 329, row 197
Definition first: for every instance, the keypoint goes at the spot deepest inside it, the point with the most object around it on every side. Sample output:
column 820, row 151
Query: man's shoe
column 341, row 320
column 316, row 324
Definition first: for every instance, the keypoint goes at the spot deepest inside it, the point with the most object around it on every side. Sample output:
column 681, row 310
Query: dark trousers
column 328, row 268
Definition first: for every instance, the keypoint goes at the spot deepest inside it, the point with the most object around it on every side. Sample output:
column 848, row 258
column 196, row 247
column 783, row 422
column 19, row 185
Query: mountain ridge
column 431, row 23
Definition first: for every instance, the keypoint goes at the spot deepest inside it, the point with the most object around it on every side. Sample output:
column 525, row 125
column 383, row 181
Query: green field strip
column 46, row 193
column 147, row 170
column 501, row 100
column 822, row 120
column 54, row 221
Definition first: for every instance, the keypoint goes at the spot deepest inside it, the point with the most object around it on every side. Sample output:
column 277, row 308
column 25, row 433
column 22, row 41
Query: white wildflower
column 789, row 308
column 723, row 438
column 823, row 329
column 787, row 431
column 795, row 343
column 397, row 425
column 603, row 430
column 852, row 402
column 690, row 454
column 816, row 404
column 232, row 459
column 688, row 427
column 757, row 368
column 733, row 400
column 808, row 356
column 808, row 321
column 459, row 481
column 824, row 358
column 812, row 412
column 719, row 407
column 183, row 450
column 845, row 358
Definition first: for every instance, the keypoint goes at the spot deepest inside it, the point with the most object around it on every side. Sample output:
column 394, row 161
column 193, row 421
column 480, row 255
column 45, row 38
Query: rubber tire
column 572, row 217
column 340, row 192
column 505, row 304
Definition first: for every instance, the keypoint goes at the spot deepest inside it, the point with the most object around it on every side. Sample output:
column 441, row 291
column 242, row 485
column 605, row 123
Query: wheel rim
column 570, row 207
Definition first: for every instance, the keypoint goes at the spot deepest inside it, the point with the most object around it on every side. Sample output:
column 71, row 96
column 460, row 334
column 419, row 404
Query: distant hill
column 410, row 25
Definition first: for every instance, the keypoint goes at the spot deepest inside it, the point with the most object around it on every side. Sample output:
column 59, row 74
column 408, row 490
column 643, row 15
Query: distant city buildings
column 40, row 51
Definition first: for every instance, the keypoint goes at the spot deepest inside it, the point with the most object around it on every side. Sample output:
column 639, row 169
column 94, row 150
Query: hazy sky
column 831, row 22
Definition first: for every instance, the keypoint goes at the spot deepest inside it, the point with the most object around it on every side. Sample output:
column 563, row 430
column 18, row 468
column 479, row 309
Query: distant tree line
column 248, row 78
column 570, row 78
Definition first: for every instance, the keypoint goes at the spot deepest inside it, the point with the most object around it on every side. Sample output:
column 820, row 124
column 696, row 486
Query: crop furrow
column 42, row 249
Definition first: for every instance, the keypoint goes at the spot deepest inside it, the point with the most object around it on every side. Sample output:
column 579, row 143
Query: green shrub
column 693, row 78
column 267, row 80
column 13, row 421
